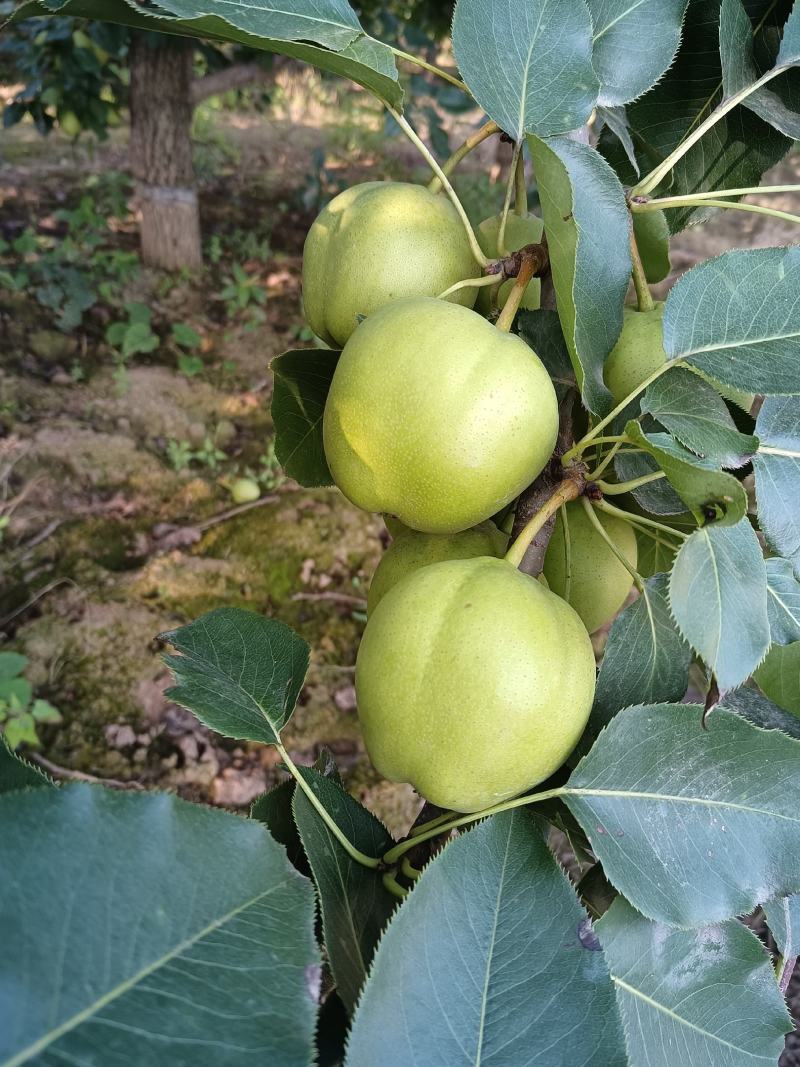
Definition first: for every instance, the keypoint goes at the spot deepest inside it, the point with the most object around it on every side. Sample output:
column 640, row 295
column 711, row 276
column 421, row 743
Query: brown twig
column 80, row 776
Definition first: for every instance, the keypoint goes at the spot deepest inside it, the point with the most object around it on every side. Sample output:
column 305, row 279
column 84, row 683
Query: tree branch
column 237, row 76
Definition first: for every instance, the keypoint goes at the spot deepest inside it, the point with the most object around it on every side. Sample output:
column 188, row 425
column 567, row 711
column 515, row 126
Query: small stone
column 345, row 698
column 120, row 735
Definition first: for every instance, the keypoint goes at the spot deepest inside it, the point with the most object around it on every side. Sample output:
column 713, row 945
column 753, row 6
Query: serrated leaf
column 718, row 596
column 616, row 120
column 779, row 676
column 739, row 67
column 355, row 906
column 495, row 923
column 754, row 706
column 783, row 601
column 274, row 810
column 366, row 61
column 777, row 475
column 16, row 773
column 589, row 254
column 651, row 231
column 709, row 993
column 736, row 151
column 783, row 919
column 709, row 493
column 238, row 672
column 645, row 660
column 695, row 414
column 692, row 825
column 542, row 331
column 542, row 50
column 179, row 932
column 634, row 42
column 302, row 382
column 737, row 317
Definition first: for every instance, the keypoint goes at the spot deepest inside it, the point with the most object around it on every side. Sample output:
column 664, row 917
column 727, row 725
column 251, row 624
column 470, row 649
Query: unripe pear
column 436, row 416
column 245, row 490
column 521, row 230
column 599, row 584
column 473, row 682
column 379, row 242
column 412, row 550
column 69, row 124
column 639, row 352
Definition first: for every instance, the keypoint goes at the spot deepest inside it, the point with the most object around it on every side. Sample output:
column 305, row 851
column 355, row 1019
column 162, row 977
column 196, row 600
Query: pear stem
column 429, row 825
column 520, row 188
column 511, row 306
column 391, row 885
column 316, row 803
column 638, row 581
column 396, row 853
column 644, row 297
column 638, row 520
column 489, row 129
column 697, row 201
column 469, row 283
column 569, row 489
column 419, row 144
column 502, row 251
column 608, row 458
column 617, row 488
column 567, row 552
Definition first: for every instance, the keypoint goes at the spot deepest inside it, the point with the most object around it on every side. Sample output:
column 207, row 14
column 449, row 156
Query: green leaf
column 756, row 709
column 783, row 601
column 654, row 556
column 589, row 254
column 274, row 809
column 543, row 51
column 718, row 596
column 173, row 933
column 542, row 331
column 16, row 688
column 634, row 42
column 366, row 61
column 738, row 149
column 651, row 231
column 185, row 336
column 737, row 317
column 21, row 730
column 691, row 825
column 783, row 919
column 12, row 664
column 709, row 493
column 354, row 904
column 491, row 959
column 43, row 711
column 16, row 773
column 779, row 676
column 238, row 672
column 739, row 67
column 302, row 381
column 646, row 660
column 709, row 993
column 616, row 119
column 776, row 467
column 695, row 413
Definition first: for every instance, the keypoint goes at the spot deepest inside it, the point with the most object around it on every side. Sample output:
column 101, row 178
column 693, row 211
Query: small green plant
column 184, row 337
column 268, row 473
column 243, row 292
column 208, row 455
column 20, row 711
column 134, row 335
column 179, row 454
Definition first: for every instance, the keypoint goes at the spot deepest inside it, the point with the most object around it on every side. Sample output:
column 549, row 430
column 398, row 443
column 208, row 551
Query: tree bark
column 161, row 152
column 237, row 76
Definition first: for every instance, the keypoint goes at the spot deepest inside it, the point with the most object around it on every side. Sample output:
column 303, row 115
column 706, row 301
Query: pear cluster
column 474, row 681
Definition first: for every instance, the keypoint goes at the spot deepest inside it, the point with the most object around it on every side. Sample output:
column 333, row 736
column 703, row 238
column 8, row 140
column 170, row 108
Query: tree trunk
column 161, row 152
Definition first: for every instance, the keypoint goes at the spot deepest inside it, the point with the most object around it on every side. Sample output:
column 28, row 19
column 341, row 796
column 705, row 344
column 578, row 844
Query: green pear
column 436, row 416
column 521, row 230
column 639, row 352
column 473, row 682
column 69, row 123
column 599, row 584
column 245, row 490
column 412, row 550
column 379, row 242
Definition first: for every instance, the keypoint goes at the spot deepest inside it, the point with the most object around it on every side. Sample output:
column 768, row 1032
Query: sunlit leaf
column 777, row 475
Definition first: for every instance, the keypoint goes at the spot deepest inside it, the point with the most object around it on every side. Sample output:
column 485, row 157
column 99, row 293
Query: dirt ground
column 115, row 473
